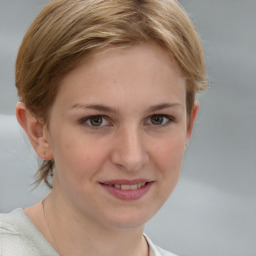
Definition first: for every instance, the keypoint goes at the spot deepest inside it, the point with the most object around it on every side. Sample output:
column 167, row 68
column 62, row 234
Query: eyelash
column 90, row 118
column 168, row 120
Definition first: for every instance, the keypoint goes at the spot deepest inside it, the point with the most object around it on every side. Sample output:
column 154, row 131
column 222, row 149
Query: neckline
column 37, row 235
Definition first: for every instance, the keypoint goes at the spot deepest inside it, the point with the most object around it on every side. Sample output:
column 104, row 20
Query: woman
column 107, row 99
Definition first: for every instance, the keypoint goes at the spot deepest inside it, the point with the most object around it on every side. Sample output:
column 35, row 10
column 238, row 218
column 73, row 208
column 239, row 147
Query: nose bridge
column 129, row 149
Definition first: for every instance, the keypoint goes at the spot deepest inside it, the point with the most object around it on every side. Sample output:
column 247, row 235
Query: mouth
column 127, row 189
column 127, row 186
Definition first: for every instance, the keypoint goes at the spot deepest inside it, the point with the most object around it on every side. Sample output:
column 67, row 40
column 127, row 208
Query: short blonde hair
column 68, row 31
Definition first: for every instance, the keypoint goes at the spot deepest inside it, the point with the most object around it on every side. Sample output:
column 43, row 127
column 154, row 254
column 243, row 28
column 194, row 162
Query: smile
column 127, row 190
column 128, row 187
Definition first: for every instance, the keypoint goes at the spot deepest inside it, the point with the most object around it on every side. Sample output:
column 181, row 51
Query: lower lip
column 128, row 194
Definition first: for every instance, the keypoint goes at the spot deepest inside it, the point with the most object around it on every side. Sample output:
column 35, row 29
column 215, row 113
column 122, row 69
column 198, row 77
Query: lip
column 125, row 182
column 128, row 194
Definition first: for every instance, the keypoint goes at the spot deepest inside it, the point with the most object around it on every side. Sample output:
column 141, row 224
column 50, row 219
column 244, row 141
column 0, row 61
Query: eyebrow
column 99, row 107
column 163, row 106
column 106, row 109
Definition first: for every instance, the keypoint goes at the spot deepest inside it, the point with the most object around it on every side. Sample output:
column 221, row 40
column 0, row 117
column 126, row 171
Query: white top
column 20, row 237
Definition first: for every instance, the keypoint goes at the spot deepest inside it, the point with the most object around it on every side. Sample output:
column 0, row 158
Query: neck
column 75, row 234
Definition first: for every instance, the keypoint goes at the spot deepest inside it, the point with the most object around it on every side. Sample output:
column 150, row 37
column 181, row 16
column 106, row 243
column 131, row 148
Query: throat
column 76, row 237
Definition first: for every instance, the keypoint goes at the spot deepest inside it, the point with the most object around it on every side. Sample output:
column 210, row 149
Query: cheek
column 169, row 152
column 75, row 168
column 79, row 158
column 168, row 158
column 170, row 163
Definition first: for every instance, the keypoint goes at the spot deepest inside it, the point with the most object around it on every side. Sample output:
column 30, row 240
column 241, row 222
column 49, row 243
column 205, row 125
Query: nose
column 129, row 151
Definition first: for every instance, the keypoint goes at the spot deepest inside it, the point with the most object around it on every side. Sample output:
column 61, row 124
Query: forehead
column 115, row 75
column 145, row 53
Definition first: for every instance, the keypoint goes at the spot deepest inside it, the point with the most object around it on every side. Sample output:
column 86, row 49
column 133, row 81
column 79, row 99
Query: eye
column 95, row 121
column 159, row 120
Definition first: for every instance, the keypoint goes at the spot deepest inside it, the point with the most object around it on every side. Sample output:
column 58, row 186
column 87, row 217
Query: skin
column 142, row 134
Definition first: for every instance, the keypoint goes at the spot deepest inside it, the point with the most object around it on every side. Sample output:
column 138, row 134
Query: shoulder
column 8, row 222
column 156, row 250
column 19, row 236
column 9, row 232
column 163, row 252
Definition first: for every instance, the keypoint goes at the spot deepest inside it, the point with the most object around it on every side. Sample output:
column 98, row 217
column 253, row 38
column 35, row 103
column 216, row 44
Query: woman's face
column 117, row 133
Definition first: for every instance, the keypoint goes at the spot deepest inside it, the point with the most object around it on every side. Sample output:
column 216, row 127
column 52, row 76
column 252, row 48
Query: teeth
column 125, row 187
column 129, row 187
column 135, row 186
column 141, row 184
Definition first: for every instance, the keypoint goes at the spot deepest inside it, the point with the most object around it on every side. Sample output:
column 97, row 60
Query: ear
column 192, row 120
column 35, row 130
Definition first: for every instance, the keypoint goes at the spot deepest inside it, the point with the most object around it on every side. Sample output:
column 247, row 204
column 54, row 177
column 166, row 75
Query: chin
column 128, row 221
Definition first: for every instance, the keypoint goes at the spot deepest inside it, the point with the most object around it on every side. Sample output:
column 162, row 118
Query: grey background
column 213, row 209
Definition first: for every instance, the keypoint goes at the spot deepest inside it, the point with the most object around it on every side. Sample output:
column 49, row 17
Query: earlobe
column 35, row 131
column 192, row 120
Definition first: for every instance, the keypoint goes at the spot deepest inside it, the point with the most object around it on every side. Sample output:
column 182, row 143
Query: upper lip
column 125, row 182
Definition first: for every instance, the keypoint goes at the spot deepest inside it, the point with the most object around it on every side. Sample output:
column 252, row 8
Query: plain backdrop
column 213, row 208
